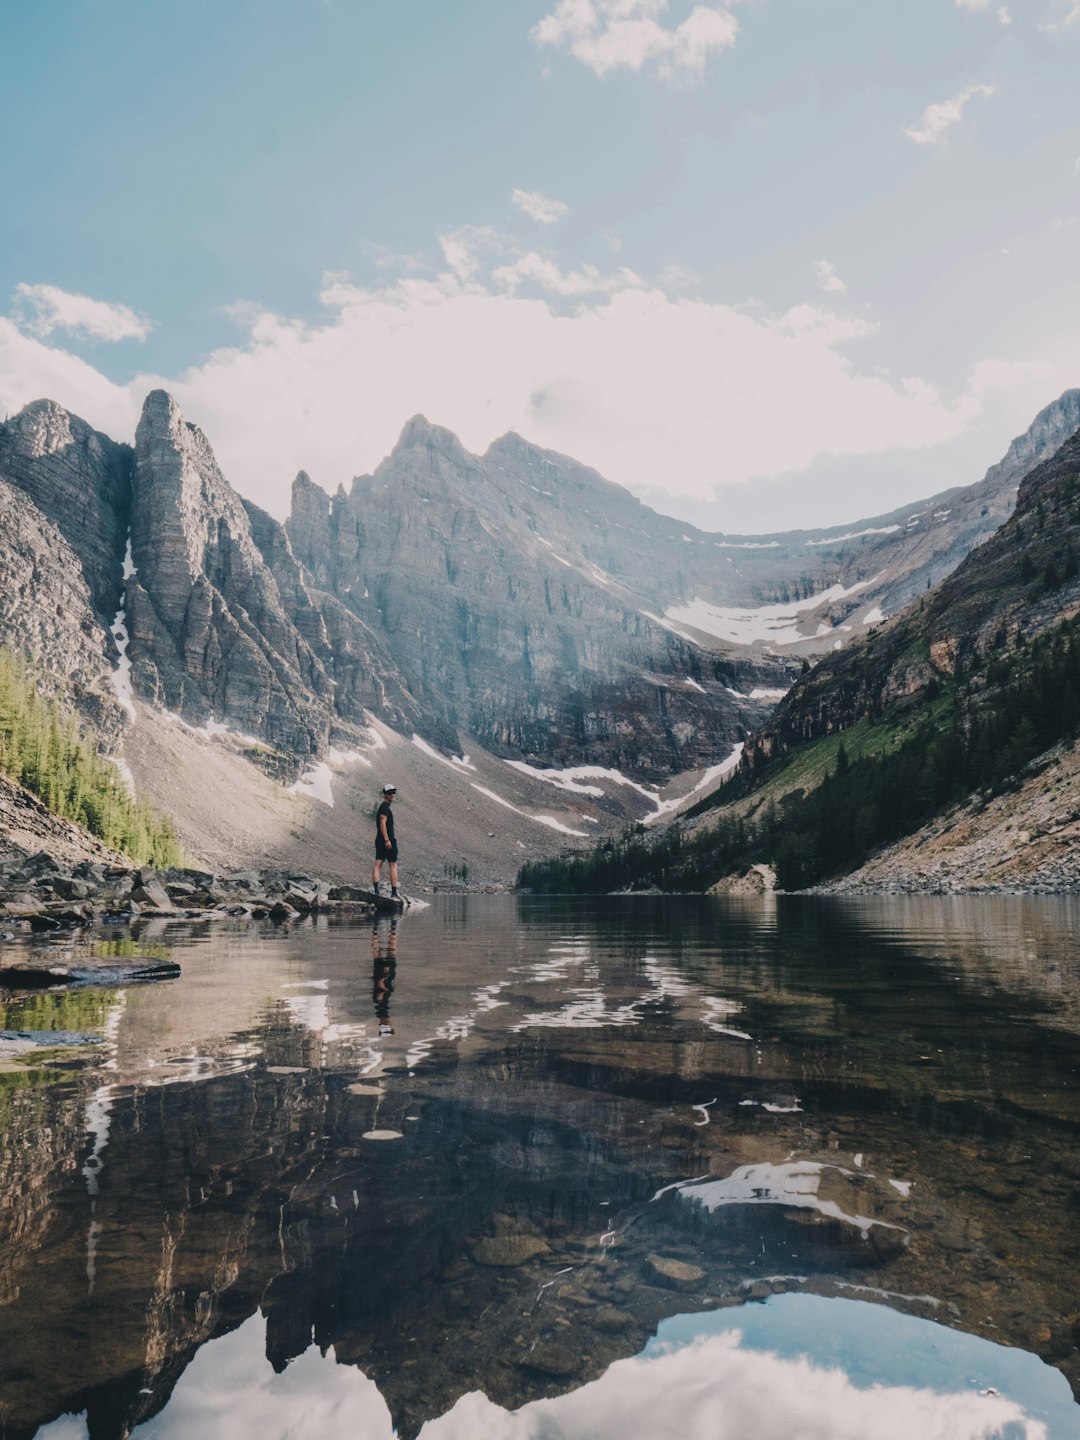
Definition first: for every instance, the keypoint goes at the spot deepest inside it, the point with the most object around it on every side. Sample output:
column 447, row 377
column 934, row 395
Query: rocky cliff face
column 210, row 636
column 489, row 591
column 516, row 596
column 1017, row 584
column 78, row 479
column 47, row 609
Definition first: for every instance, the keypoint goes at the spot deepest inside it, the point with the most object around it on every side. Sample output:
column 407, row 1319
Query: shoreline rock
column 39, row 893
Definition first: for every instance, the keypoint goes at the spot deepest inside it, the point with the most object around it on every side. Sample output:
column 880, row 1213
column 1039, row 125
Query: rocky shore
column 41, row 893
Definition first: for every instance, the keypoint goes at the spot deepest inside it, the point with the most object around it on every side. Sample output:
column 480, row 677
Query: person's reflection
column 383, row 970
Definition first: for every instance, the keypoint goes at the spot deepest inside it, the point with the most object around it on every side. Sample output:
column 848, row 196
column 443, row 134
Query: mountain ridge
column 515, row 601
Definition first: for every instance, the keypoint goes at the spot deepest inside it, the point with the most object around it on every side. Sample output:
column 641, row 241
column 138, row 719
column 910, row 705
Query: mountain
column 948, row 734
column 1014, row 587
column 513, row 604
column 810, row 591
column 517, row 593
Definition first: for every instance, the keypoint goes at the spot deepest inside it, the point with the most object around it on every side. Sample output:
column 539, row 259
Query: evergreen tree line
column 1003, row 714
column 41, row 749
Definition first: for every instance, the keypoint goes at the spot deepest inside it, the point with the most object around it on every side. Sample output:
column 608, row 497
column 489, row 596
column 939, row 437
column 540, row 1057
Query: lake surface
column 524, row 1167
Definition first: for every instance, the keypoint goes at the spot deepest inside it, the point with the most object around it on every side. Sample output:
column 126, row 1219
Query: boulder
column 674, row 1274
column 68, row 888
column 347, row 892
column 153, row 894
column 508, row 1250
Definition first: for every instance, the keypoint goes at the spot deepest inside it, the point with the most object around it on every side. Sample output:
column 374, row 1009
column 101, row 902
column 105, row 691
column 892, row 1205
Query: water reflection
column 797, row 1365
column 603, row 1114
column 384, row 938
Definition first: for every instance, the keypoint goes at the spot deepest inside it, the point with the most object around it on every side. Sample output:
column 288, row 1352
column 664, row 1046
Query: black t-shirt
column 385, row 809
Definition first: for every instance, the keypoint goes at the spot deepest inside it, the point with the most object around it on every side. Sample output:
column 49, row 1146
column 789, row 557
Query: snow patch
column 777, row 624
column 659, row 620
column 857, row 534
column 714, row 773
column 346, row 757
column 695, row 686
column 316, row 783
column 747, row 544
column 121, row 676
column 548, row 820
column 457, row 763
column 211, row 729
column 795, row 1184
column 874, row 616
column 570, row 779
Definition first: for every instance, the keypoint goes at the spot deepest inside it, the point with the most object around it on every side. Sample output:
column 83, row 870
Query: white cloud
column 543, row 272
column 43, row 309
column 1070, row 15
column 716, row 1388
column 610, row 35
column 668, row 394
column 539, row 207
column 827, row 278
column 982, row 6
column 937, row 120
column 32, row 370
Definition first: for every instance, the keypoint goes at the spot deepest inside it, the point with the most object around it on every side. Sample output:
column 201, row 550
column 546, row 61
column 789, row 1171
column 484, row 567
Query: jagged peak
column 158, row 405
column 513, row 443
column 304, row 485
column 420, row 433
column 45, row 425
column 44, row 406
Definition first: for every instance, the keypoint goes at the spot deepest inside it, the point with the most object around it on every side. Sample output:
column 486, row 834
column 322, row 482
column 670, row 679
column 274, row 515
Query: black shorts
column 384, row 851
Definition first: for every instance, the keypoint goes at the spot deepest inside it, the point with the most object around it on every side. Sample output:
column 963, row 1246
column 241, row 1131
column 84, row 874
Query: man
column 385, row 843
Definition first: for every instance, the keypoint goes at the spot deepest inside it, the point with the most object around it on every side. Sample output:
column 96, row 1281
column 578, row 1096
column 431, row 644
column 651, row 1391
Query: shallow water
column 533, row 1167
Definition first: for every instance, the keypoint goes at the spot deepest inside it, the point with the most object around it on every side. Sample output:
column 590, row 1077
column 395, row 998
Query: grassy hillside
column 822, row 809
column 41, row 748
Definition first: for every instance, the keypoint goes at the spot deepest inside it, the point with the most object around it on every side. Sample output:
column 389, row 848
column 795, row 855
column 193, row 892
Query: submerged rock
column 28, row 975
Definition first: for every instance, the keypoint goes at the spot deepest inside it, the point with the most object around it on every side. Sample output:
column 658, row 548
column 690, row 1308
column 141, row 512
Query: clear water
column 544, row 1168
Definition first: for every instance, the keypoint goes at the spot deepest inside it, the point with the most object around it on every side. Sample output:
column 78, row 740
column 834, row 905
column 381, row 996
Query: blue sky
column 769, row 263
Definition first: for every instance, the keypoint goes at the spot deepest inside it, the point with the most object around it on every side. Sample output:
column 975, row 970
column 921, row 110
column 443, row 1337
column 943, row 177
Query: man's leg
column 376, row 871
column 393, row 878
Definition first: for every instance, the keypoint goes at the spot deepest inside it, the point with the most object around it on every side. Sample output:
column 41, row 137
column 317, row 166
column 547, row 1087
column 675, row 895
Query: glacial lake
column 574, row 1169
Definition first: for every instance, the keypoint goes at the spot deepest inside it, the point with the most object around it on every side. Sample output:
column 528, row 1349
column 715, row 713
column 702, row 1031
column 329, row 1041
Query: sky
column 768, row 263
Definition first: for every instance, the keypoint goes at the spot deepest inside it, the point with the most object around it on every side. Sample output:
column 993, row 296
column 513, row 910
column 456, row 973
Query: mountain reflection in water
column 651, row 1162
column 855, row 1372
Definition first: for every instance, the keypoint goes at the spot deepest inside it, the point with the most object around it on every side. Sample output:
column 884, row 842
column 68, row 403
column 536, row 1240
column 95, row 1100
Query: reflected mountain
column 606, row 1114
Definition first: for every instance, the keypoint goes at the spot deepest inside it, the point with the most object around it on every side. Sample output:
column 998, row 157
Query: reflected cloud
column 711, row 1376
column 231, row 1392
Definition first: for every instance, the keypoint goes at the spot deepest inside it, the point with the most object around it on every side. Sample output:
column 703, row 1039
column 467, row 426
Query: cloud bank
column 667, row 394
column 611, row 35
